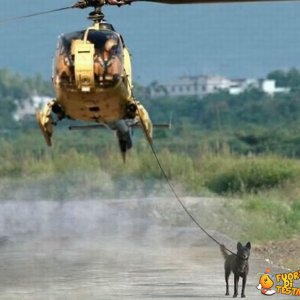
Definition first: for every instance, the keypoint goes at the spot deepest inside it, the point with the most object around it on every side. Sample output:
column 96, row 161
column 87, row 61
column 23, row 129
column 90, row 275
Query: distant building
column 199, row 86
column 269, row 87
column 203, row 85
column 241, row 85
column 28, row 107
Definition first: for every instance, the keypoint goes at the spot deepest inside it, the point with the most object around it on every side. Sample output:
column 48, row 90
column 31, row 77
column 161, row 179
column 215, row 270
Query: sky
column 166, row 41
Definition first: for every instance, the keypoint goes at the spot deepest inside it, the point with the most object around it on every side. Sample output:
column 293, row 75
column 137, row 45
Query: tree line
column 251, row 122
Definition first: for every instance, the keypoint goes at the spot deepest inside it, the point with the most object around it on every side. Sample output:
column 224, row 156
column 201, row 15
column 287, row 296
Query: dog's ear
column 248, row 245
column 239, row 246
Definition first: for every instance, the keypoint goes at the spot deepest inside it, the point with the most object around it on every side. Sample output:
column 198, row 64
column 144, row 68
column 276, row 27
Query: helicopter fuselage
column 93, row 82
column 101, row 105
column 92, row 75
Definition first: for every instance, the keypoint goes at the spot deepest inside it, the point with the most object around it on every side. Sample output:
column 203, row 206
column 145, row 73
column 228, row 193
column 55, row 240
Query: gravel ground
column 111, row 250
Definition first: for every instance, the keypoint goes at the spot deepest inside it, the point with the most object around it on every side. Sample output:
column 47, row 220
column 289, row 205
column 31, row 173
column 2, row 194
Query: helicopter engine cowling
column 83, row 54
column 92, row 75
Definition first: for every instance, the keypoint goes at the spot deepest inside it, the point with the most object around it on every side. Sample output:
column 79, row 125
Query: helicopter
column 92, row 78
column 93, row 82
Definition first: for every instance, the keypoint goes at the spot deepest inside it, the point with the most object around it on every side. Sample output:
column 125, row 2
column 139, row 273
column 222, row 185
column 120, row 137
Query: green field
column 260, row 192
column 242, row 149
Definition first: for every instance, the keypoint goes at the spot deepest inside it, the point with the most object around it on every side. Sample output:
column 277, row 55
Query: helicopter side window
column 64, row 64
column 65, row 41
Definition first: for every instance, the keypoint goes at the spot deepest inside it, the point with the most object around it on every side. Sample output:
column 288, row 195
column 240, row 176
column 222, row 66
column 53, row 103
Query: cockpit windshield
column 96, row 37
column 106, row 55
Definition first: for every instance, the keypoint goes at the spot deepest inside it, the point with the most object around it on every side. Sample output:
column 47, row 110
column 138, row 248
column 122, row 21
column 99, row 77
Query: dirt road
column 109, row 250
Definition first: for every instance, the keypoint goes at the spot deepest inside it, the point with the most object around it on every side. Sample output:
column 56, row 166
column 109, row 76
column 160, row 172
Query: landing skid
column 45, row 133
column 147, row 131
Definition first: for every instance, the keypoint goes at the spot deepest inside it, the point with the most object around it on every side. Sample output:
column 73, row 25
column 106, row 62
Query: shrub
column 252, row 175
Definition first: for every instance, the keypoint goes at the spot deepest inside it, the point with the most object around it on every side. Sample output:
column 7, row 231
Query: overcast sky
column 166, row 41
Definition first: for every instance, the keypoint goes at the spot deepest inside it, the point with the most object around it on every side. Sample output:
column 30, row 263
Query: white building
column 269, row 87
column 199, row 86
column 203, row 85
column 28, row 107
column 240, row 85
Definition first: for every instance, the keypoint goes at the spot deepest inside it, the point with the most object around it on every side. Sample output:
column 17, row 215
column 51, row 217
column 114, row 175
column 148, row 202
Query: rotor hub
column 99, row 3
column 97, row 15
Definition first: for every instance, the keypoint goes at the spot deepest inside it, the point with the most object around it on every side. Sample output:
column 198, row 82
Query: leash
column 177, row 197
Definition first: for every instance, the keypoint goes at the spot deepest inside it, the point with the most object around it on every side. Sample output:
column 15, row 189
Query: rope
column 34, row 15
column 177, row 197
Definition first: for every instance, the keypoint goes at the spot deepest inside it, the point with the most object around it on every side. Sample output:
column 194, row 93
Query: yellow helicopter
column 92, row 78
column 93, row 82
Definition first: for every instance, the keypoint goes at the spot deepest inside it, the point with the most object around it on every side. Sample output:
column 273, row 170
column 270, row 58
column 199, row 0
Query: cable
column 173, row 190
column 34, row 15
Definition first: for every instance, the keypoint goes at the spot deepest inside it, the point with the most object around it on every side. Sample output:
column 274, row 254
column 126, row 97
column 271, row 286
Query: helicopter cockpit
column 89, row 59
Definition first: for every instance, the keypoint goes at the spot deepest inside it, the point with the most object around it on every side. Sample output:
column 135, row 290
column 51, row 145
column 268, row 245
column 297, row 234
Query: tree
column 14, row 89
column 280, row 78
column 291, row 78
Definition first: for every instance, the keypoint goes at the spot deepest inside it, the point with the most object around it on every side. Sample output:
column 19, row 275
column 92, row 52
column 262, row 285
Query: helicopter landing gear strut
column 144, row 120
column 45, row 120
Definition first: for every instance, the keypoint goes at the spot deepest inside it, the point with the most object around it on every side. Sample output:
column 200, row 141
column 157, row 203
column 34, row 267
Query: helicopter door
column 83, row 53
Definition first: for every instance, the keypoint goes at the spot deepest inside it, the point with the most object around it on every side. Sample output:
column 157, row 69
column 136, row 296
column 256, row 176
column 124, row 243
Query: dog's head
column 243, row 252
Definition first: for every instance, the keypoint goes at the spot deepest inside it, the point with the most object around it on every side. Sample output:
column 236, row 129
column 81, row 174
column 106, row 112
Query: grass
column 261, row 217
column 236, row 174
column 261, row 193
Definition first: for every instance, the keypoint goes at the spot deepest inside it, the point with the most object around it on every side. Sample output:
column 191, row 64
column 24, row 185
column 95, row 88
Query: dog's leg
column 227, row 273
column 236, row 283
column 244, row 285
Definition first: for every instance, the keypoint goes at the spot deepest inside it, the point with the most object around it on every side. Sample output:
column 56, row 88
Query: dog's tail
column 224, row 252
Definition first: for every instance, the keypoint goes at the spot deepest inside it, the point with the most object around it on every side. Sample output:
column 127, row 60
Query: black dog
column 238, row 264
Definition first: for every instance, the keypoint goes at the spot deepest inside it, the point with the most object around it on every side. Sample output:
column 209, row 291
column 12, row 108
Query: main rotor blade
column 34, row 14
column 209, row 1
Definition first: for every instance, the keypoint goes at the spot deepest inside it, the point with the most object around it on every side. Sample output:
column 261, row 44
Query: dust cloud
column 135, row 219
column 94, row 206
column 101, row 247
